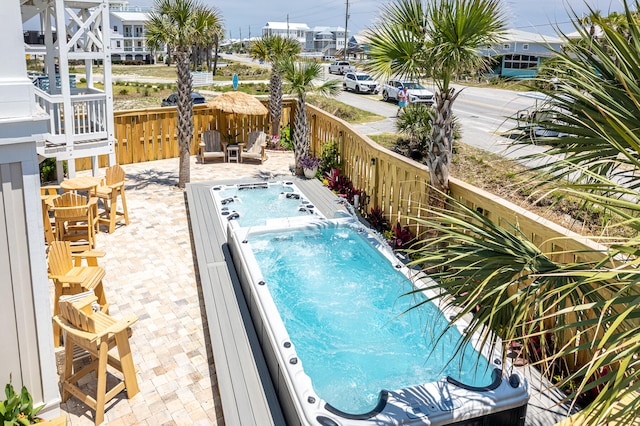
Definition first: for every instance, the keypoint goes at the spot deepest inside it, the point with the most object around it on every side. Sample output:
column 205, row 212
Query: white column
column 17, row 98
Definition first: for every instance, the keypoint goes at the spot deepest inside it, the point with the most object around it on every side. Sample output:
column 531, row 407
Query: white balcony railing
column 89, row 115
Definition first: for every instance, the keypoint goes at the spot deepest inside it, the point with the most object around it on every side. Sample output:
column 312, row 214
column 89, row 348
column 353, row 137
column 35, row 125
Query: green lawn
column 224, row 72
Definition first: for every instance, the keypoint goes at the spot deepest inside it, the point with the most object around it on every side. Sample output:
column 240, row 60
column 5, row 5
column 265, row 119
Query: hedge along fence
column 399, row 186
column 152, row 133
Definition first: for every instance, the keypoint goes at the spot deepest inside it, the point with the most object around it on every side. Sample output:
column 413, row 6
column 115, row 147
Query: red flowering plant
column 341, row 185
column 377, row 220
column 400, row 236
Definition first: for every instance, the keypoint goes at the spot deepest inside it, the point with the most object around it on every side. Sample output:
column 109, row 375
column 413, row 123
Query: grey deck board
column 322, row 198
column 247, row 393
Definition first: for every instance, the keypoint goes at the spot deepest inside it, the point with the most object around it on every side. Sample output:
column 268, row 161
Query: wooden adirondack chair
column 97, row 333
column 47, row 195
column 211, row 147
column 254, row 150
column 71, row 277
column 110, row 188
column 76, row 220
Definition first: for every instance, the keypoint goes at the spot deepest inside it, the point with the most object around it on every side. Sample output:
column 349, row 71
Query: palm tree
column 559, row 310
column 209, row 27
column 440, row 40
column 300, row 77
column 174, row 23
column 274, row 48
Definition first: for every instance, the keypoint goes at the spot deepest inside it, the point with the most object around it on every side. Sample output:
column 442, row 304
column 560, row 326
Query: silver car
column 359, row 82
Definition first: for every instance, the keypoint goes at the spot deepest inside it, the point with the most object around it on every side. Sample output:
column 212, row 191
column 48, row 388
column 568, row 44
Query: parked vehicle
column 172, row 99
column 417, row 92
column 341, row 67
column 359, row 82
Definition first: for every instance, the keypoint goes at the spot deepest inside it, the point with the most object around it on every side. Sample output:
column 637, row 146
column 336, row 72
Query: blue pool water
column 253, row 206
column 342, row 305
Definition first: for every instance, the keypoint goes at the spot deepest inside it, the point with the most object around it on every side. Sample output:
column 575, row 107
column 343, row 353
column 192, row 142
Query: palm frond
column 559, row 313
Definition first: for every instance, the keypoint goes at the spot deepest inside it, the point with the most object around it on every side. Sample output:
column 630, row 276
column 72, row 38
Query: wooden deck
column 247, row 392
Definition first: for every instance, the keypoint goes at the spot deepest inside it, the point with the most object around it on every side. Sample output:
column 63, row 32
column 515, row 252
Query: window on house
column 520, row 62
column 506, row 46
column 115, row 28
column 525, row 47
column 139, row 44
column 118, row 43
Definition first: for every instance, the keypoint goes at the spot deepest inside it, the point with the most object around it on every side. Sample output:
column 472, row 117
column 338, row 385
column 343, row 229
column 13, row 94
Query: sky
column 249, row 16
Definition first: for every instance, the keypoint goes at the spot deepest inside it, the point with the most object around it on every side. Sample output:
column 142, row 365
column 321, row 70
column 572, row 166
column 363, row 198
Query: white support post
column 63, row 52
column 108, row 89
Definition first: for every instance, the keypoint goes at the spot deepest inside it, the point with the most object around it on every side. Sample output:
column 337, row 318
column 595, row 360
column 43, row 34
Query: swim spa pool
column 324, row 351
column 259, row 203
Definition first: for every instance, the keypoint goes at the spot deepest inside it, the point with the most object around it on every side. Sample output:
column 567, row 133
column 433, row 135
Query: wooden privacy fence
column 399, row 186
column 152, row 133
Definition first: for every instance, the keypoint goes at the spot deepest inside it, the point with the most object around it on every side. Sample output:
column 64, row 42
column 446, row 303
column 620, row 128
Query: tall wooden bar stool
column 47, row 195
column 108, row 191
column 97, row 333
column 76, row 220
column 71, row 277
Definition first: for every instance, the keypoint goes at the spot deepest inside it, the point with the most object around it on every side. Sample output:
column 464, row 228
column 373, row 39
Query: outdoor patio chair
column 210, row 147
column 76, row 220
column 254, row 150
column 71, row 277
column 96, row 333
column 47, row 195
column 110, row 188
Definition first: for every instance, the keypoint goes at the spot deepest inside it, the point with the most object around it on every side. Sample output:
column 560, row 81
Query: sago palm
column 301, row 78
column 174, row 23
column 563, row 312
column 274, row 48
column 439, row 39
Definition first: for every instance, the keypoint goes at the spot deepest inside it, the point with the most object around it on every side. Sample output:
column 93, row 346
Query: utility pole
column 287, row 25
column 346, row 24
column 241, row 45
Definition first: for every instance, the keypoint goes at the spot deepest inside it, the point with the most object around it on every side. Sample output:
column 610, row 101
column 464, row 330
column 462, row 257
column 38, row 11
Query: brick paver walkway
column 151, row 273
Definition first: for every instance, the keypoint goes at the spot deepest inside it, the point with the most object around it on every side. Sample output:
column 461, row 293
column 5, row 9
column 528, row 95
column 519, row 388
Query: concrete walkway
column 150, row 273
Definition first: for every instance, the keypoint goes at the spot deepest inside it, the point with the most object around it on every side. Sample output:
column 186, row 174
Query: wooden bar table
column 81, row 183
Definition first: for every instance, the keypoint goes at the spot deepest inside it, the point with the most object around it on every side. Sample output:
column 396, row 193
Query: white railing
column 89, row 115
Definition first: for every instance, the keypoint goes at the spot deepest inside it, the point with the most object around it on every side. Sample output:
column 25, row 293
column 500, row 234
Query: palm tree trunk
column 441, row 144
column 300, row 134
column 216, row 46
column 185, row 116
column 275, row 102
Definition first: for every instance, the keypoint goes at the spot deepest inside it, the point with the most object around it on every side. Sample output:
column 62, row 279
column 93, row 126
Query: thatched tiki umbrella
column 237, row 103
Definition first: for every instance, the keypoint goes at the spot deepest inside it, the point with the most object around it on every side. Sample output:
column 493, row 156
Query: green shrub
column 18, row 409
column 285, row 138
column 329, row 158
column 48, row 170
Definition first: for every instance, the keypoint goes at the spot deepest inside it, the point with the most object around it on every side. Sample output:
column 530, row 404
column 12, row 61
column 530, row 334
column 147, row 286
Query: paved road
column 482, row 113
